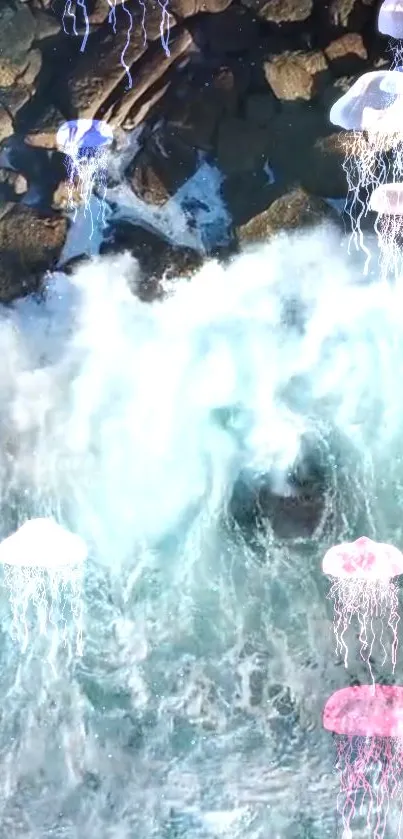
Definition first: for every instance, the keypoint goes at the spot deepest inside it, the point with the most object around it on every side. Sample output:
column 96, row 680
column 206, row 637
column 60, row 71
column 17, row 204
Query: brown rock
column 187, row 8
column 152, row 69
column 30, row 244
column 292, row 76
column 100, row 72
column 42, row 133
column 17, row 33
column 282, row 11
column 347, row 54
column 6, row 125
column 350, row 13
column 292, row 211
column 12, row 185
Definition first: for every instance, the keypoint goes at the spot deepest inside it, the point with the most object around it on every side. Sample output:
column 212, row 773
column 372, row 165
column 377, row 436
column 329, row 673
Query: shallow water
column 195, row 710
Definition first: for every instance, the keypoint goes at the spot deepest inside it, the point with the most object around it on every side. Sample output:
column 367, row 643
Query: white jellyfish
column 373, row 103
column 43, row 567
column 390, row 18
column 86, row 142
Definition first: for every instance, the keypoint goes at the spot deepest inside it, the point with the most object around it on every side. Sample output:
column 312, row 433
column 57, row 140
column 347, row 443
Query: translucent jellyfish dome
column 83, row 138
column 390, row 18
column 387, row 199
column 365, row 711
column 374, row 102
column 42, row 543
column 363, row 559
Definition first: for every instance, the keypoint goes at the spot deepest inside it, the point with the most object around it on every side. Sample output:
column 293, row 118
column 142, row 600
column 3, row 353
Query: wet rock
column 6, row 124
column 30, row 244
column 292, row 211
column 294, row 75
column 165, row 164
column 12, row 185
column 17, row 33
column 351, row 14
column 47, row 24
column 197, row 108
column 158, row 258
column 187, row 8
column 152, row 69
column 42, row 132
column 347, row 54
column 281, row 11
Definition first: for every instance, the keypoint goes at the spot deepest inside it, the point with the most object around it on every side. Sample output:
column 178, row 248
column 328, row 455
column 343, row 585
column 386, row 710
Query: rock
column 12, row 185
column 281, row 11
column 187, row 8
column 43, row 130
column 292, row 211
column 247, row 194
column 347, row 54
column 30, row 244
column 351, row 14
column 195, row 110
column 46, row 25
column 241, row 145
column 158, row 258
column 293, row 75
column 165, row 164
column 6, row 125
column 17, row 33
column 13, row 99
column 152, row 69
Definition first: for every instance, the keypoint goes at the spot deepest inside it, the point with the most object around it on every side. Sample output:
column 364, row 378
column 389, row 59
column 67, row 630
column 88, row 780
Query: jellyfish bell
column 367, row 721
column 387, row 199
column 364, row 559
column 43, row 571
column 362, row 588
column 367, row 103
column 42, row 543
column 390, row 18
column 83, row 137
column 365, row 711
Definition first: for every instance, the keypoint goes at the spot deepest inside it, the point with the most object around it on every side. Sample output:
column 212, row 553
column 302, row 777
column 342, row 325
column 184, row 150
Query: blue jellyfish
column 85, row 143
column 390, row 19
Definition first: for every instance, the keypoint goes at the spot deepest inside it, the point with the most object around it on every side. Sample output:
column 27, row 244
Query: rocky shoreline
column 247, row 86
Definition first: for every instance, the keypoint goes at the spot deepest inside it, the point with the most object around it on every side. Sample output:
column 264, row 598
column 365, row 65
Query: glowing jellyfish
column 43, row 566
column 390, row 18
column 368, row 721
column 387, row 201
column 373, row 103
column 362, row 573
column 86, row 142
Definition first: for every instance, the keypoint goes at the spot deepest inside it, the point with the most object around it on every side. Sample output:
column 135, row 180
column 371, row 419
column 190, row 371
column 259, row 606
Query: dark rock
column 165, row 164
column 292, row 211
column 241, row 145
column 30, row 244
column 233, row 31
column 347, row 54
column 157, row 258
column 281, row 11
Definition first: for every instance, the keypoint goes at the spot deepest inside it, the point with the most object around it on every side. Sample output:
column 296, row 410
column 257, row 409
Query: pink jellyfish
column 390, row 19
column 362, row 573
column 368, row 720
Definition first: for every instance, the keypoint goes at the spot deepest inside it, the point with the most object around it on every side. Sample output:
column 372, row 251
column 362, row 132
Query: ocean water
column 150, row 429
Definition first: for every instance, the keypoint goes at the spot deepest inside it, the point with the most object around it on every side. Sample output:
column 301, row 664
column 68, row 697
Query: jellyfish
column 362, row 573
column 43, row 566
column 387, row 202
column 373, row 110
column 390, row 18
column 85, row 142
column 368, row 723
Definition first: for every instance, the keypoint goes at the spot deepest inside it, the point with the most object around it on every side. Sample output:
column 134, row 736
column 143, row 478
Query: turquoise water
column 195, row 710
